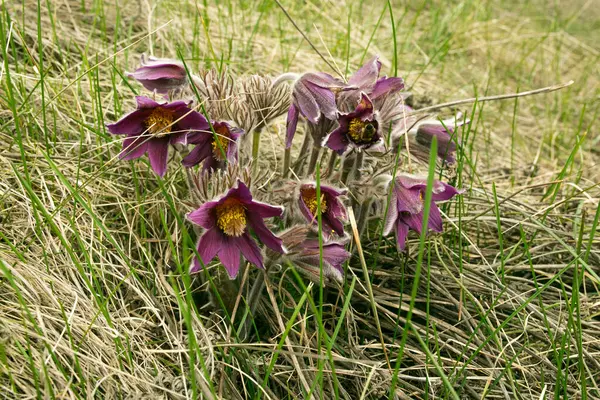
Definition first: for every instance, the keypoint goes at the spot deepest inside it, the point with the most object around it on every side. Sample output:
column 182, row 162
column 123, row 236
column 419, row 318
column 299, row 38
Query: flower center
column 309, row 196
column 361, row 132
column 220, row 144
column 231, row 217
column 159, row 122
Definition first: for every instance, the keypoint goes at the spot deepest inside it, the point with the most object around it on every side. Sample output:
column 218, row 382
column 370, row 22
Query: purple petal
column 264, row 234
column 250, row 250
column 163, row 70
column 131, row 124
column 365, row 106
column 204, row 216
column 442, row 191
column 401, row 234
column 291, row 124
column 241, row 192
column 178, row 138
column 414, row 221
column 325, row 99
column 367, row 75
column 337, row 141
column 190, row 120
column 330, row 220
column 306, row 103
column 158, row 152
column 265, row 210
column 229, row 254
column 134, row 147
column 336, row 255
column 145, row 102
column 392, row 214
column 408, row 200
column 210, row 244
column 386, row 86
column 435, row 218
column 198, row 153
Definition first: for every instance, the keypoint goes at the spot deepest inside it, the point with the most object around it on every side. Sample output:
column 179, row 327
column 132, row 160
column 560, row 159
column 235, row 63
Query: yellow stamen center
column 309, row 196
column 159, row 122
column 361, row 132
column 221, row 143
column 231, row 217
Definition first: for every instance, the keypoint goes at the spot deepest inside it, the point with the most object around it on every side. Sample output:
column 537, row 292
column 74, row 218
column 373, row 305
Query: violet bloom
column 153, row 126
column 313, row 96
column 215, row 149
column 367, row 80
column 331, row 207
column 406, row 206
column 357, row 129
column 334, row 256
column 227, row 222
column 160, row 75
column 446, row 140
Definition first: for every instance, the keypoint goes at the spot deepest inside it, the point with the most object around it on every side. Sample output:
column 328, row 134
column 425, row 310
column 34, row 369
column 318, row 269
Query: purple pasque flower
column 313, row 96
column 332, row 209
column 446, row 138
column 153, row 127
column 215, row 149
column 367, row 80
column 160, row 75
column 334, row 256
column 227, row 222
column 407, row 203
column 357, row 129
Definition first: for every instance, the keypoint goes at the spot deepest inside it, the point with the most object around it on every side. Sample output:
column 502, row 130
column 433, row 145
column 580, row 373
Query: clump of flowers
column 351, row 131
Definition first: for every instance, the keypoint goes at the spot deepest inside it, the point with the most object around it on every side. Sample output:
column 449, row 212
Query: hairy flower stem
column 314, row 157
column 299, row 165
column 331, row 163
column 347, row 167
column 363, row 218
column 255, row 149
column 254, row 299
column 358, row 165
column 287, row 158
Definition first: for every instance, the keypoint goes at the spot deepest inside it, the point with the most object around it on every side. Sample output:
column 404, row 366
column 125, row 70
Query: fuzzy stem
column 299, row 166
column 314, row 157
column 363, row 218
column 255, row 148
column 331, row 163
column 288, row 76
column 287, row 158
column 358, row 164
column 347, row 166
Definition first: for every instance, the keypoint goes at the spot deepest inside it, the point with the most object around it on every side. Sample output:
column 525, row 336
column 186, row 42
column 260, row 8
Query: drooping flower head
column 332, row 210
column 313, row 96
column 215, row 149
column 407, row 204
column 367, row 80
column 446, row 138
column 160, row 75
column 357, row 129
column 153, row 126
column 334, row 256
column 228, row 221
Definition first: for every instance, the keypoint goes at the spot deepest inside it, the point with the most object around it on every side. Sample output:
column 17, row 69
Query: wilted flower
column 160, row 74
column 406, row 206
column 153, row 126
column 334, row 256
column 331, row 207
column 215, row 149
column 313, row 96
column 227, row 222
column 358, row 129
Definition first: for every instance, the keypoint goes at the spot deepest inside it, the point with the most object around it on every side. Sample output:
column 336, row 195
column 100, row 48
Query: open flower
column 160, row 75
column 407, row 203
column 313, row 96
column 330, row 205
column 153, row 126
column 334, row 256
column 227, row 222
column 215, row 149
column 358, row 129
column 367, row 80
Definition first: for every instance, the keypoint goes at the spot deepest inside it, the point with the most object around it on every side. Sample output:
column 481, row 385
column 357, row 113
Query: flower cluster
column 354, row 122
